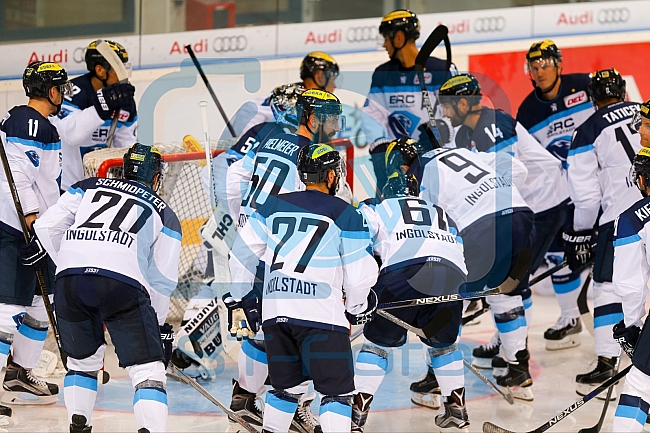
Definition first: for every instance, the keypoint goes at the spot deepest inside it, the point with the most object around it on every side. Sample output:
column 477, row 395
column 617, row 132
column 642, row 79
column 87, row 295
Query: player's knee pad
column 283, row 395
column 604, row 294
column 33, row 329
column 345, row 399
column 152, row 371
column 374, row 354
column 92, row 363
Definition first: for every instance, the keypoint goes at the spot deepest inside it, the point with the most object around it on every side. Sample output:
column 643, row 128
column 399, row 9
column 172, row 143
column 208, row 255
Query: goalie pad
column 200, row 340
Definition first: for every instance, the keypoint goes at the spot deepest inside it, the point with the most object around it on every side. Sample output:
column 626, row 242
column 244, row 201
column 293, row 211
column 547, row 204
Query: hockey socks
column 447, row 363
column 279, row 409
column 608, row 311
column 29, row 341
column 335, row 413
column 510, row 319
column 370, row 367
column 150, row 397
column 80, row 392
column 632, row 410
column 252, row 365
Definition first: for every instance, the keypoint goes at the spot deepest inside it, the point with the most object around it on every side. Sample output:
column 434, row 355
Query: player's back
column 33, row 148
column 605, row 146
column 466, row 187
column 273, row 171
column 317, row 246
column 116, row 224
column 408, row 230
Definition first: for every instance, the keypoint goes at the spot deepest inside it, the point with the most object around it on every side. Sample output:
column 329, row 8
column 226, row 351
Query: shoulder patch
column 576, row 99
column 33, row 157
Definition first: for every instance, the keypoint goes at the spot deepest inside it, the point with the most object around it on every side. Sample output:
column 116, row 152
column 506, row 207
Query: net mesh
column 182, row 189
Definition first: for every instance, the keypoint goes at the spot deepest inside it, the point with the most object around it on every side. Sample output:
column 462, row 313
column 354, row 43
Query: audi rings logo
column 489, row 24
column 229, row 44
column 361, row 34
column 613, row 16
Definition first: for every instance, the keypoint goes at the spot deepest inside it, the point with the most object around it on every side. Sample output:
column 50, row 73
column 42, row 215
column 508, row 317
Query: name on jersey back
column 133, row 189
column 281, row 145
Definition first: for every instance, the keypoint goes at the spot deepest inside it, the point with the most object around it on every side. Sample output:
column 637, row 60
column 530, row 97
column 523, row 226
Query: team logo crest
column 33, row 157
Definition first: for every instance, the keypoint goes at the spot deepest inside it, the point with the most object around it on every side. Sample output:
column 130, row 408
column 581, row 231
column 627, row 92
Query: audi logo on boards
column 489, row 24
column 361, row 34
column 613, row 16
column 229, row 43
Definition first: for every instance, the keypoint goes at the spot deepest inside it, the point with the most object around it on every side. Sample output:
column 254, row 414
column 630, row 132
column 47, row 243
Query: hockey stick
column 207, row 84
column 439, row 34
column 551, row 271
column 111, row 57
column 596, row 428
column 194, row 384
column 485, row 307
column 585, row 315
column 442, row 318
column 488, row 382
column 488, row 427
column 517, row 274
column 39, row 274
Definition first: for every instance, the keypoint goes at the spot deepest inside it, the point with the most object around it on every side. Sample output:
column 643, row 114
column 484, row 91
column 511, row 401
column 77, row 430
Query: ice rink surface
column 391, row 411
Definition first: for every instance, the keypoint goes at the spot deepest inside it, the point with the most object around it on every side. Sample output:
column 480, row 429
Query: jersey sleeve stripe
column 505, row 143
column 33, row 143
column 355, row 235
column 627, row 240
column 581, row 149
column 171, row 233
column 72, row 190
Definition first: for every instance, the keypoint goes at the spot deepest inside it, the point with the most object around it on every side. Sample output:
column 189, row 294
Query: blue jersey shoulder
column 25, row 125
column 284, row 146
column 586, row 134
column 255, row 135
column 494, row 130
column 83, row 93
column 393, row 74
column 631, row 222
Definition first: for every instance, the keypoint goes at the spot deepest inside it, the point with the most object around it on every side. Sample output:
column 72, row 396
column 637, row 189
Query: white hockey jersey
column 82, row 130
column 316, row 248
column 408, row 230
column 601, row 154
column 496, row 131
column 632, row 260
column 466, row 186
column 115, row 228
column 33, row 150
column 271, row 170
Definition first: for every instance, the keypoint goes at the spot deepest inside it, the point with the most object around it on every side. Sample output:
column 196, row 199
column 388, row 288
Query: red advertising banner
column 506, row 70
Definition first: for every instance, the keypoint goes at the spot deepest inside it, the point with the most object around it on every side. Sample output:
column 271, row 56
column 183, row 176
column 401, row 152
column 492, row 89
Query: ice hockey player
column 545, row 189
column 318, row 70
column 86, row 115
column 33, row 149
column 325, row 243
column 126, row 220
column 558, row 104
column 394, row 105
column 481, row 196
column 641, row 123
column 271, row 172
column 415, row 241
column 600, row 159
column 631, row 267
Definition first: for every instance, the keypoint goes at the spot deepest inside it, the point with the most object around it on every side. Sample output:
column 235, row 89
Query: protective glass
column 65, row 89
column 332, row 120
column 635, row 124
column 538, row 65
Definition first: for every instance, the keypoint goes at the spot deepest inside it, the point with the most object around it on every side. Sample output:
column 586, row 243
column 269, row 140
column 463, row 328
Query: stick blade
column 441, row 319
column 488, row 427
column 437, row 35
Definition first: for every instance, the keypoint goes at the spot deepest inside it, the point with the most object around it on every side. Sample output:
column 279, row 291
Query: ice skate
column 604, row 370
column 482, row 355
column 360, row 408
column 426, row 391
column 23, row 387
column 243, row 402
column 304, row 417
column 455, row 415
column 499, row 367
column 78, row 425
column 517, row 379
column 564, row 334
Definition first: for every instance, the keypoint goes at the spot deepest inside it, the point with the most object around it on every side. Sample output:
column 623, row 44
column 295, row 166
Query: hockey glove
column 33, row 254
column 237, row 321
column 626, row 337
column 366, row 315
column 110, row 98
column 579, row 247
column 167, row 337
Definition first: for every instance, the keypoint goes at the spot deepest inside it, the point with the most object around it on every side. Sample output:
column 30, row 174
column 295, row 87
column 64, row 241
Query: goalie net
column 182, row 189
